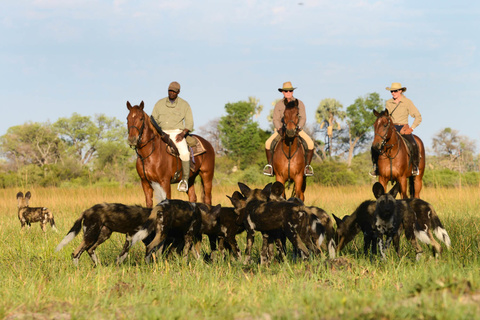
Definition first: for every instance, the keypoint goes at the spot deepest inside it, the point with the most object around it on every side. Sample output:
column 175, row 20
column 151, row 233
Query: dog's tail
column 158, row 192
column 439, row 230
column 148, row 226
column 77, row 226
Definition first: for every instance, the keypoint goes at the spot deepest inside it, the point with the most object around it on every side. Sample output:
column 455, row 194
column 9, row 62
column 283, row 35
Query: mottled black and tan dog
column 100, row 221
column 28, row 215
column 416, row 217
column 173, row 219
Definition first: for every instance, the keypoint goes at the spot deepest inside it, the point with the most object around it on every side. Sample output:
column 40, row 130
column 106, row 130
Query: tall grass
column 39, row 283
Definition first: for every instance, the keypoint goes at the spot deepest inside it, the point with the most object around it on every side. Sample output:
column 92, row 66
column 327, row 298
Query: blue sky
column 59, row 56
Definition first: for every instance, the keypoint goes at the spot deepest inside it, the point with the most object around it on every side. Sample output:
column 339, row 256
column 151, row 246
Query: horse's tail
column 411, row 183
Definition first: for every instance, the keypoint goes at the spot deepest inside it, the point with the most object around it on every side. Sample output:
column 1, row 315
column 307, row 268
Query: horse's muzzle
column 290, row 133
column 377, row 146
column 132, row 141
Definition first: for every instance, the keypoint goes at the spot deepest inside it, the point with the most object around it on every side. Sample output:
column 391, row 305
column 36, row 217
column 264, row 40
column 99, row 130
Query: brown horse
column 154, row 164
column 394, row 161
column 289, row 155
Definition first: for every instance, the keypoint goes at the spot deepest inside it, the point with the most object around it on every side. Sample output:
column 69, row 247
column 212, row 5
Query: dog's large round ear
column 378, row 190
column 395, row 190
column 338, row 221
column 244, row 189
column 268, row 189
column 28, row 195
column 20, row 195
column 277, row 188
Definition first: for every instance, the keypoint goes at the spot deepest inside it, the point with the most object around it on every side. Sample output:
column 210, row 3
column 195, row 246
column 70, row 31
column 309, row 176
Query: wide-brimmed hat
column 286, row 86
column 396, row 86
column 174, row 86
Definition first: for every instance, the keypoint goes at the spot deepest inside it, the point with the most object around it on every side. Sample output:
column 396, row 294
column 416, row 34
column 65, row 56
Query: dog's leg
column 248, row 248
column 105, row 233
column 126, row 248
column 264, row 250
column 78, row 252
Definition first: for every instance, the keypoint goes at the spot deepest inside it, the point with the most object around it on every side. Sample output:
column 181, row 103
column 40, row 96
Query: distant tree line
column 83, row 150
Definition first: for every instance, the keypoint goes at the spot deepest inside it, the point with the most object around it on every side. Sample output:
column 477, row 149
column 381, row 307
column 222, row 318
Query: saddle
column 412, row 147
column 194, row 145
column 279, row 137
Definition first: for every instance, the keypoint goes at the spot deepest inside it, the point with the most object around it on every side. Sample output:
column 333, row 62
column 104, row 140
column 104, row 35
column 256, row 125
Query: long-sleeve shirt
column 279, row 109
column 401, row 110
column 176, row 115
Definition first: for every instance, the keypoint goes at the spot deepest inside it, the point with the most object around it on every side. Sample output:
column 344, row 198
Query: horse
column 394, row 160
column 289, row 153
column 155, row 164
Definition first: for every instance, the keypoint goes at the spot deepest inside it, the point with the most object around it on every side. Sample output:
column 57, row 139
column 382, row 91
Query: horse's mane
column 291, row 104
column 150, row 125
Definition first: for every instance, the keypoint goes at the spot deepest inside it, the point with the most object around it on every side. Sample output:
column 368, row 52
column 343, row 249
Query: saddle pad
column 195, row 150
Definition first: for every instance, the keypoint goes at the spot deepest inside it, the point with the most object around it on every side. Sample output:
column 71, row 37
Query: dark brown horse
column 289, row 155
column 394, row 161
column 154, row 164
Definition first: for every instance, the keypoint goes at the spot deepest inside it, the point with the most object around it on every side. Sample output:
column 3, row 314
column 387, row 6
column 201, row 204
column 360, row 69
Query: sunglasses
column 287, row 90
column 392, row 91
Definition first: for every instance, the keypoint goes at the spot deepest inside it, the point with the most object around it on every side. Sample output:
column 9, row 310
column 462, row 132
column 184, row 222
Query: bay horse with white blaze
column 289, row 153
column 155, row 164
column 394, row 162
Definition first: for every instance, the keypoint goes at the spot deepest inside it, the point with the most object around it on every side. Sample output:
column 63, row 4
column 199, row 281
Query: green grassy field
column 38, row 283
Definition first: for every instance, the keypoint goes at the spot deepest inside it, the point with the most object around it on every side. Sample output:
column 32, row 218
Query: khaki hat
column 174, row 86
column 286, row 86
column 396, row 86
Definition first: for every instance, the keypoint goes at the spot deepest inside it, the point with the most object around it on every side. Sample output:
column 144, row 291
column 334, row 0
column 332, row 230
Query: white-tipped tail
column 332, row 249
column 139, row 236
column 158, row 192
column 442, row 234
column 69, row 237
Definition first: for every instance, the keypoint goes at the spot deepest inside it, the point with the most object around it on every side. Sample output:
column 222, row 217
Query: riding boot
column 308, row 172
column 268, row 169
column 375, row 156
column 415, row 161
column 183, row 184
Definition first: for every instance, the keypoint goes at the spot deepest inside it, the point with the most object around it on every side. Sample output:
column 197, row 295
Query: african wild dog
column 417, row 217
column 327, row 225
column 100, row 221
column 360, row 220
column 173, row 219
column 273, row 219
column 28, row 215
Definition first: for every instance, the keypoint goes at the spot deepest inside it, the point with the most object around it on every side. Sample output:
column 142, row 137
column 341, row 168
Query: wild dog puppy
column 362, row 219
column 271, row 218
column 28, row 215
column 99, row 222
column 415, row 216
column 177, row 219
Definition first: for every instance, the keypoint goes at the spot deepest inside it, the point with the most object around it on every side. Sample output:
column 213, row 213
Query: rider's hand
column 408, row 131
column 180, row 136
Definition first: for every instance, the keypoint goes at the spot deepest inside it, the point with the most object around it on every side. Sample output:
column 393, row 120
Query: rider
column 399, row 108
column 174, row 116
column 287, row 91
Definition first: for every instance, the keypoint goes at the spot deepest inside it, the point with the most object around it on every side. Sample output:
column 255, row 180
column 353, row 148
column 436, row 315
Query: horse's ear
column 129, row 106
column 376, row 113
column 386, row 112
column 141, row 105
column 395, row 190
column 378, row 190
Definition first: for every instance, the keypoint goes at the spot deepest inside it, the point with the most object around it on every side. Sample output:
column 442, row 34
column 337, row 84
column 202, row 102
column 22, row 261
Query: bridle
column 138, row 146
column 384, row 146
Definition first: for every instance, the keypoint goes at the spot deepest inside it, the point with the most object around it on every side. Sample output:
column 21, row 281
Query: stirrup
column 374, row 171
column 182, row 186
column 415, row 171
column 308, row 172
column 268, row 170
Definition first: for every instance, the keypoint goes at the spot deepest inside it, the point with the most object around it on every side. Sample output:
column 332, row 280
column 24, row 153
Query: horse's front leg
column 299, row 187
column 403, row 187
column 148, row 191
